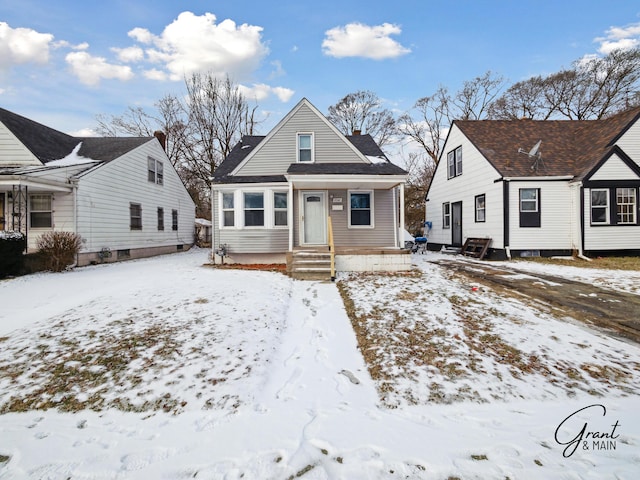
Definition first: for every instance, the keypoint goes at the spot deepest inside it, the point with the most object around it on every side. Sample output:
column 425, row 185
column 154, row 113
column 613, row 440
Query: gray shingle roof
column 48, row 144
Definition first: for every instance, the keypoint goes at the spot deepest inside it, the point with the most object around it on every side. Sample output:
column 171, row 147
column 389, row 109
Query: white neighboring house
column 120, row 194
column 552, row 187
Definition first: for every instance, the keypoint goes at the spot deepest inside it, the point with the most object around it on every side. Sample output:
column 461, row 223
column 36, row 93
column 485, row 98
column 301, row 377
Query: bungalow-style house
column 306, row 192
column 552, row 187
column 121, row 195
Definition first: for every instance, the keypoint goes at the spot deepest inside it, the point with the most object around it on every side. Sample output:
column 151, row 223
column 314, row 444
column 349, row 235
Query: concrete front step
column 310, row 265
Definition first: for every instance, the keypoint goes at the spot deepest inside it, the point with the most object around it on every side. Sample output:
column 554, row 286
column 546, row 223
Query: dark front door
column 456, row 224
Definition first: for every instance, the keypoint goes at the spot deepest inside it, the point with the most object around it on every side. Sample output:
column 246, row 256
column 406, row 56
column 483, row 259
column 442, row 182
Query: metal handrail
column 331, row 248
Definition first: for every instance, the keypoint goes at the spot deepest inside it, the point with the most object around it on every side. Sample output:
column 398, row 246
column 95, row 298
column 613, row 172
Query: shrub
column 12, row 245
column 59, row 249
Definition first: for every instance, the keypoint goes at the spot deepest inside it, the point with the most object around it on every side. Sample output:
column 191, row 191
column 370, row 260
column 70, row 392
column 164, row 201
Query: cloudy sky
column 63, row 63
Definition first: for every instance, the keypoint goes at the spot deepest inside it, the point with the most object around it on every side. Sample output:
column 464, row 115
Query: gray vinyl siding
column 105, row 193
column 275, row 156
column 383, row 233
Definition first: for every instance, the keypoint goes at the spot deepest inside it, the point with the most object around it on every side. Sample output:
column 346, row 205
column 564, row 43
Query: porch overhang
column 35, row 184
column 328, row 181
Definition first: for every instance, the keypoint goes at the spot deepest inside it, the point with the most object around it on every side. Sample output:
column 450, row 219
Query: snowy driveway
column 254, row 375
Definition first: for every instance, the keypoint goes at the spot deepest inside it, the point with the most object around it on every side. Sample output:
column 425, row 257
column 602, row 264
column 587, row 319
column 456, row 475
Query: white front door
column 314, row 218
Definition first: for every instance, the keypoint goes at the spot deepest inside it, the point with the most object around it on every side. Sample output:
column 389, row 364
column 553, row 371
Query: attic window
column 155, row 171
column 454, row 163
column 305, row 147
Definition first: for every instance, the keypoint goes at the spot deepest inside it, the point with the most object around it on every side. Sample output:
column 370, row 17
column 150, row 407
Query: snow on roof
column 72, row 159
column 373, row 159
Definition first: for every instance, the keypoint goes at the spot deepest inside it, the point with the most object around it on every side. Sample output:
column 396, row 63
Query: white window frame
column 605, row 206
column 285, row 210
column 529, row 200
column 446, row 215
column 371, row 208
column 48, row 211
column 155, row 171
column 160, row 215
column 264, row 208
column 311, row 148
column 132, row 217
column 454, row 162
column 174, row 220
column 232, row 209
column 632, row 206
column 482, row 210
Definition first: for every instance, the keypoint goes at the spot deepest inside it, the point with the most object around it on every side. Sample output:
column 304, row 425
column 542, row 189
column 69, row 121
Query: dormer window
column 305, row 147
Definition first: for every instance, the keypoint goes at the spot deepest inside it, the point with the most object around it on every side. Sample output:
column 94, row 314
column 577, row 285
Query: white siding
column 275, row 156
column 12, row 151
column 614, row 169
column 555, row 231
column 105, row 193
column 608, row 237
column 478, row 177
column 630, row 142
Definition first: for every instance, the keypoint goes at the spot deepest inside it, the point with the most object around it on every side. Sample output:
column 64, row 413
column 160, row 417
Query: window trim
column 276, row 209
column 174, row 219
column 371, row 208
column 446, row 215
column 530, row 218
column 244, row 209
column 223, row 209
column 155, row 171
column 311, row 148
column 135, row 221
column 634, row 206
column 454, row 162
column 160, row 213
column 48, row 211
column 607, row 207
column 483, row 209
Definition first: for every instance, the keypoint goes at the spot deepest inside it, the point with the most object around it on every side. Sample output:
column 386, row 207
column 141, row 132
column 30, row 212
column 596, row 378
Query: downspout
column 581, row 254
column 74, row 182
column 290, row 216
column 505, row 220
column 401, row 228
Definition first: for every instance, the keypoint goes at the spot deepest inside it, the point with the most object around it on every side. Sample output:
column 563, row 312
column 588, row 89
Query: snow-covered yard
column 164, row 368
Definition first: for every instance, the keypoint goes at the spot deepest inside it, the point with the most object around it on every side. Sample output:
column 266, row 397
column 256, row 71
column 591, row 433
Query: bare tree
column 474, row 99
column 219, row 115
column 362, row 111
column 593, row 88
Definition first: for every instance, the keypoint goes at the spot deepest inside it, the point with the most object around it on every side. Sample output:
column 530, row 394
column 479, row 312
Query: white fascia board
column 538, row 179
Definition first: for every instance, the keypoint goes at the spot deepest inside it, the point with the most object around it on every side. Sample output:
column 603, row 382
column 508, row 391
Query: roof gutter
column 545, row 178
column 48, row 184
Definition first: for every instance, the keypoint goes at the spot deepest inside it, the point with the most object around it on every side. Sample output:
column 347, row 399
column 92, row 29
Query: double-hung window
column 228, row 209
column 41, row 212
column 155, row 171
column 253, row 209
column 280, row 209
column 361, row 209
column 600, row 206
column 160, row 218
column 446, row 215
column 135, row 216
column 174, row 220
column 626, row 206
column 480, row 208
column 305, row 148
column 454, row 162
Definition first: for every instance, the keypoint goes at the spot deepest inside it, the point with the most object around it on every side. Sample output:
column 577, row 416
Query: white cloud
column 90, row 70
column 129, row 54
column 83, row 132
column 193, row 43
column 260, row 91
column 23, row 45
column 624, row 38
column 155, row 74
column 359, row 40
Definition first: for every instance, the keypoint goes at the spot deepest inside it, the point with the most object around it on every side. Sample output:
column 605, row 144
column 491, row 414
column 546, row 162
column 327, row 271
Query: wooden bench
column 476, row 247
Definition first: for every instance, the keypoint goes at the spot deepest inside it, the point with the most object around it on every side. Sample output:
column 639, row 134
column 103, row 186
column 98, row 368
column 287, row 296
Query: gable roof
column 568, row 148
column 48, row 144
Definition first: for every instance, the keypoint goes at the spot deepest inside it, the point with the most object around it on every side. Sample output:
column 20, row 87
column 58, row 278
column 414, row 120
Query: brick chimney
column 162, row 138
column 357, row 132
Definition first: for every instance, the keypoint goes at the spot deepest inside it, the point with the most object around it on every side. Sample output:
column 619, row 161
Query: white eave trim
column 345, row 181
column 538, row 179
column 50, row 185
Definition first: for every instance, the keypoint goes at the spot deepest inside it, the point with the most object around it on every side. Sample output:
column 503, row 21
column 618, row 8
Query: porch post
column 290, row 216
column 401, row 227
